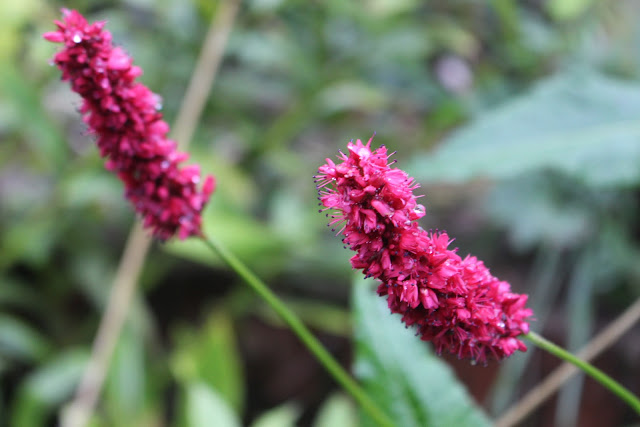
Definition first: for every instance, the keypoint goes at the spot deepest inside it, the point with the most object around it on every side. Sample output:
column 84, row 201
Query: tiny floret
column 453, row 302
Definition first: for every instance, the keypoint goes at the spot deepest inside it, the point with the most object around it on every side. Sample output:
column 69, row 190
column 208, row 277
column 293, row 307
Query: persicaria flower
column 123, row 115
column 453, row 302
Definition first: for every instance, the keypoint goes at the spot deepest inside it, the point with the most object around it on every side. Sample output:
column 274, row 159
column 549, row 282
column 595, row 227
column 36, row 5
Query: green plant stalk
column 595, row 373
column 296, row 325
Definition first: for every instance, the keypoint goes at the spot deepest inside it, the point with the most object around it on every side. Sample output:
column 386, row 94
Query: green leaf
column 350, row 96
column 281, row 416
column 337, row 410
column 562, row 10
column 210, row 355
column 46, row 388
column 401, row 373
column 250, row 240
column 317, row 314
column 205, row 407
column 543, row 208
column 14, row 292
column 13, row 17
column 125, row 391
column 30, row 241
column 42, row 135
column 579, row 122
column 20, row 341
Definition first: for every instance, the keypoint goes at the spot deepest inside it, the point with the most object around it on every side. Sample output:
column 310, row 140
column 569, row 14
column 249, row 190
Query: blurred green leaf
column 92, row 186
column 251, row 241
column 565, row 10
column 507, row 12
column 125, row 387
column 41, row 134
column 581, row 303
column 17, row 293
column 453, row 35
column 20, row 341
column 337, row 410
column 30, row 242
column 226, row 218
column 210, row 355
column 542, row 208
column 264, row 6
column 351, row 95
column 581, row 123
column 47, row 387
column 235, row 190
column 281, row 416
column 317, row 314
column 290, row 215
column 14, row 15
column 385, row 8
column 5, row 365
column 205, row 407
column 401, row 373
column 264, row 50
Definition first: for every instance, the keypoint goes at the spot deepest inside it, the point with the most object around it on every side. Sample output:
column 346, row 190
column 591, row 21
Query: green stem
column 608, row 382
column 296, row 325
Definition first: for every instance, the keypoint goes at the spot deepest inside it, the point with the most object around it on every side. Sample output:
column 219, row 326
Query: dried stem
column 79, row 410
column 560, row 375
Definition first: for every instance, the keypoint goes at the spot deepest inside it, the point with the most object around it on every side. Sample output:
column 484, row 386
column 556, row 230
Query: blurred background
column 520, row 120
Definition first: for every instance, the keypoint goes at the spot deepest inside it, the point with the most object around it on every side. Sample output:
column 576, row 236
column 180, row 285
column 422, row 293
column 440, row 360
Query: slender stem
column 296, row 325
column 588, row 368
column 204, row 73
column 78, row 412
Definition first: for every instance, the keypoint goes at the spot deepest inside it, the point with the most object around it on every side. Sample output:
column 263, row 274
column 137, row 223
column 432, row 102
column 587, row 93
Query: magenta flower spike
column 453, row 302
column 123, row 115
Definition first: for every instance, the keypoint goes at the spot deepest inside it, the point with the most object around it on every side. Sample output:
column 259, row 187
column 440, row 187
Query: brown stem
column 78, row 412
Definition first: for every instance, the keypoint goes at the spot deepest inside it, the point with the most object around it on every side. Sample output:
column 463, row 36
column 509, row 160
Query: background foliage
column 520, row 120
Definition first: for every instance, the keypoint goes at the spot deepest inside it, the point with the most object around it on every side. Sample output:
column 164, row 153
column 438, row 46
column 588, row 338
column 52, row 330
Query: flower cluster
column 455, row 303
column 123, row 115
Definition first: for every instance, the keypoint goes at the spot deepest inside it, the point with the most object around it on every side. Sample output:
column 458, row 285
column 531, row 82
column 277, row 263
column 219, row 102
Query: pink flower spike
column 457, row 304
column 130, row 133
